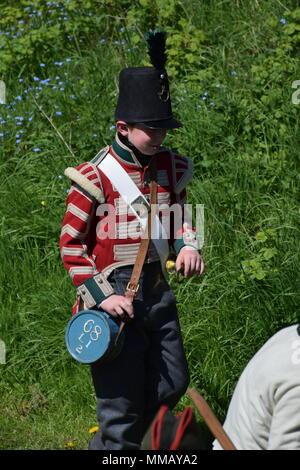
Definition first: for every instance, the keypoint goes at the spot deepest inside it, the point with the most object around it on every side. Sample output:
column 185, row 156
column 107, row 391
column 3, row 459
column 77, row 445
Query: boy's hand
column 190, row 260
column 117, row 305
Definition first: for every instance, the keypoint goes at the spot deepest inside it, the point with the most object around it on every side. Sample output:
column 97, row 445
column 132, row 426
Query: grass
column 246, row 175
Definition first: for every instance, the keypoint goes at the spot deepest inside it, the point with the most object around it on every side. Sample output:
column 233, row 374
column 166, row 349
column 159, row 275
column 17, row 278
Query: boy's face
column 147, row 141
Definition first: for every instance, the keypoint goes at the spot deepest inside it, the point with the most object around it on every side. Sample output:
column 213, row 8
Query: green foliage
column 232, row 65
column 260, row 264
column 40, row 30
column 184, row 41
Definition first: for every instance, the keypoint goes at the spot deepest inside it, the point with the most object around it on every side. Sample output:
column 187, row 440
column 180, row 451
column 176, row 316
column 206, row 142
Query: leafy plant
column 260, row 265
column 184, row 40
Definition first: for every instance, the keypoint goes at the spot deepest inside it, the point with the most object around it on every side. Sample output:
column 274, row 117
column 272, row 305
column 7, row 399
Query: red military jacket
column 99, row 232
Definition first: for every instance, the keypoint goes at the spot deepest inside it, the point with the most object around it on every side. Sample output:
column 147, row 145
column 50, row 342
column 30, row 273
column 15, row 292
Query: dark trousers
column 151, row 369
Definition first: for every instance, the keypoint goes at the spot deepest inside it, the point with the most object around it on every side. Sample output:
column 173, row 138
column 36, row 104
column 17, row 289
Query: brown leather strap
column 133, row 284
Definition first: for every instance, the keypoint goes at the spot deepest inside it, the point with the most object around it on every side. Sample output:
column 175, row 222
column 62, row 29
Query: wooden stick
column 211, row 420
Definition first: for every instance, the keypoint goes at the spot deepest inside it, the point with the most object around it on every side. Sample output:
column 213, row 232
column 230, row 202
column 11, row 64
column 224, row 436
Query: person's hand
column 189, row 262
column 118, row 306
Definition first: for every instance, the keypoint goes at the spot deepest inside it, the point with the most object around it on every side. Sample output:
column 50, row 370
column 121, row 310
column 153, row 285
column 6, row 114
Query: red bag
column 169, row 432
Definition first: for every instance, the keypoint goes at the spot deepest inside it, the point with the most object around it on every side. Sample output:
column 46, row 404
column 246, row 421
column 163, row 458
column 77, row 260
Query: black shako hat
column 144, row 95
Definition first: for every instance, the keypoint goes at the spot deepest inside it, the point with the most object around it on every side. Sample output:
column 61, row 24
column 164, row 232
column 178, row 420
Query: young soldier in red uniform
column 99, row 243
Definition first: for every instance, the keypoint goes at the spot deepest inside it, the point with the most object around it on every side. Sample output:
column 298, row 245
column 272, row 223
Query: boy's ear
column 122, row 127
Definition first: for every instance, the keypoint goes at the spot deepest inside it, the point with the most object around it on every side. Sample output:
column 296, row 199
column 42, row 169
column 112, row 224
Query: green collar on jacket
column 127, row 154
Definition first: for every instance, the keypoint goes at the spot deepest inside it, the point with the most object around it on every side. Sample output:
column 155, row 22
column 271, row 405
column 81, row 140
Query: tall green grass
column 246, row 175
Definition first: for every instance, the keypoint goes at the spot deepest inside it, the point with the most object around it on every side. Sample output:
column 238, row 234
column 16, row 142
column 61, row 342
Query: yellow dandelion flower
column 43, row 203
column 93, row 429
column 69, row 445
column 171, row 266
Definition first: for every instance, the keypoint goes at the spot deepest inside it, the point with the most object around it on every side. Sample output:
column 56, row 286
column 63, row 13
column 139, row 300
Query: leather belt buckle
column 132, row 287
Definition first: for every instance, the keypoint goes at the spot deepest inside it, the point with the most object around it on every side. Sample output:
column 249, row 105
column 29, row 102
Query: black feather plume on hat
column 156, row 41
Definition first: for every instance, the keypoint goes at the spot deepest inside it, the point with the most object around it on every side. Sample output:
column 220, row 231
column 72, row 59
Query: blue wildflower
column 112, row 127
column 42, row 65
column 68, row 59
column 283, row 20
column 37, row 149
column 58, row 113
column 233, row 73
